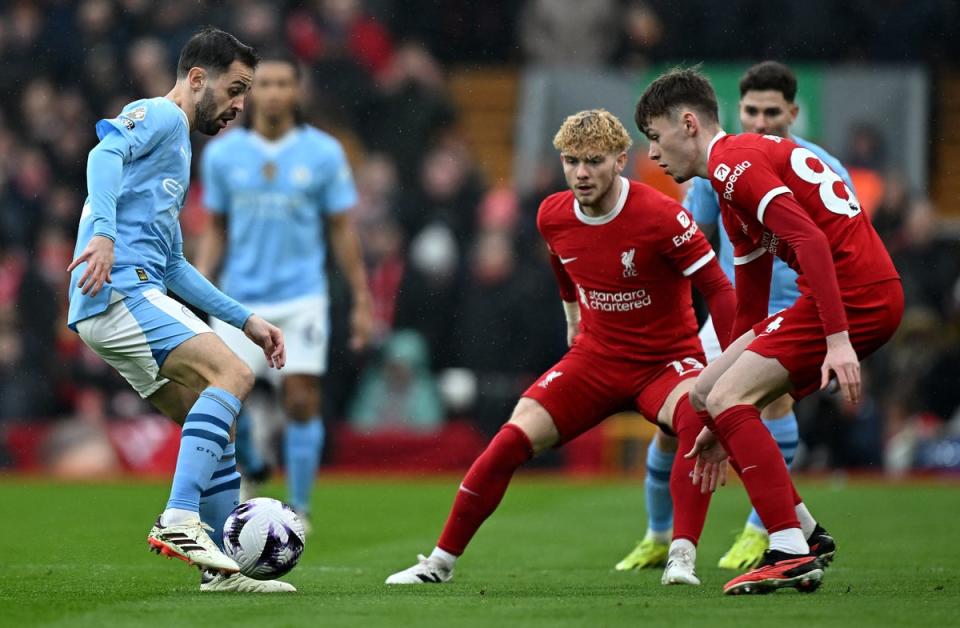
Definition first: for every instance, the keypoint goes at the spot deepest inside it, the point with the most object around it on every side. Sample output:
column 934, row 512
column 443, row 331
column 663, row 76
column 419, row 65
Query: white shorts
column 306, row 328
column 134, row 335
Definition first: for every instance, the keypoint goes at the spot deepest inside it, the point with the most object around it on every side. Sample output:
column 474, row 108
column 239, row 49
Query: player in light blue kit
column 767, row 93
column 271, row 189
column 129, row 252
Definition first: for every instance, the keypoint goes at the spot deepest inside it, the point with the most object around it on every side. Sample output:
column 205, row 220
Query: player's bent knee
column 698, row 395
column 720, row 399
column 534, row 421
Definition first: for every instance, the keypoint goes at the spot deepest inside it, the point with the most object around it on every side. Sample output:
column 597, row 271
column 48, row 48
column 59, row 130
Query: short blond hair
column 590, row 132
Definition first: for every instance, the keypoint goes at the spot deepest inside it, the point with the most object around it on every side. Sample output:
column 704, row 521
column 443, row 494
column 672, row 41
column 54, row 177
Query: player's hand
column 842, row 361
column 361, row 324
column 269, row 338
column 573, row 330
column 99, row 257
column 710, row 470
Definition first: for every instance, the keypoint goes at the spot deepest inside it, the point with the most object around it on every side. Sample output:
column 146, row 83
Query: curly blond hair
column 591, row 132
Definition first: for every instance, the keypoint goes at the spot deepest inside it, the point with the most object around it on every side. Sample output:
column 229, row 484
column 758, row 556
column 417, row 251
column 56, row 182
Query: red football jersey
column 631, row 270
column 748, row 171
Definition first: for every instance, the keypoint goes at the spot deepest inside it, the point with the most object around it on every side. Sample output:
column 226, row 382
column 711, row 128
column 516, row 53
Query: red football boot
column 779, row 570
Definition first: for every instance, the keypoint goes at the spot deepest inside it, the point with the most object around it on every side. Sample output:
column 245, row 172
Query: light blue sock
column 787, row 434
column 302, row 445
column 205, row 434
column 222, row 495
column 248, row 457
column 657, row 488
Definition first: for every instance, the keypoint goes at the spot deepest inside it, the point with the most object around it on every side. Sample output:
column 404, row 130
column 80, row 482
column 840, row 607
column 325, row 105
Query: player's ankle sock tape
column 303, row 443
column 222, row 494
column 760, row 464
column 205, row 434
column 484, row 486
column 656, row 488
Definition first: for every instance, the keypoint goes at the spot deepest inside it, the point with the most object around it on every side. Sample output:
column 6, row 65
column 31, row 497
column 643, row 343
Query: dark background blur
column 432, row 100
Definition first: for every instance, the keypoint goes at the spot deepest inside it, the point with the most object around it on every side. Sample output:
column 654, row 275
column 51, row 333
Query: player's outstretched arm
column 568, row 293
column 721, row 300
column 346, row 247
column 788, row 220
column 104, row 177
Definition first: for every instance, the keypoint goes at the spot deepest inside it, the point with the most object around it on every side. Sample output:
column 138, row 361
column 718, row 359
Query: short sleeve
column 144, row 124
column 681, row 240
column 701, row 201
column 214, row 191
column 747, row 180
column 338, row 193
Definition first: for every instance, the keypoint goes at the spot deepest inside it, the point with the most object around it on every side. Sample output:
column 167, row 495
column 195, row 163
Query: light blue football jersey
column 156, row 174
column 275, row 195
column 702, row 202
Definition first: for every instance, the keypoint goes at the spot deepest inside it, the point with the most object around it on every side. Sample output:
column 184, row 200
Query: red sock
column 761, row 466
column 689, row 504
column 483, row 487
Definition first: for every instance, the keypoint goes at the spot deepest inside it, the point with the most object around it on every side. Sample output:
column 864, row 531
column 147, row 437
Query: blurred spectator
column 928, row 263
column 430, row 291
column 570, row 33
column 889, row 215
column 449, row 193
column 399, row 393
column 866, row 160
column 410, row 112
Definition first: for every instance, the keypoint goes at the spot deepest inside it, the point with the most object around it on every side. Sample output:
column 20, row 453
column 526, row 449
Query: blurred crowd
column 466, row 310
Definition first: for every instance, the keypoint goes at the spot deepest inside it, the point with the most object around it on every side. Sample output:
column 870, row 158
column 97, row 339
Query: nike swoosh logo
column 567, row 260
column 466, row 490
column 745, row 469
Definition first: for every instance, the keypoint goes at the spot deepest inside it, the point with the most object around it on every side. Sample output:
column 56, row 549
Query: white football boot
column 681, row 564
column 426, row 571
column 239, row 583
column 190, row 543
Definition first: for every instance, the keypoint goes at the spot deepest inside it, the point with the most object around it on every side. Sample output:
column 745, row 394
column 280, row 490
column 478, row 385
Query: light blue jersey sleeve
column 143, row 124
column 186, row 281
column 339, row 194
column 215, row 192
column 701, row 201
column 104, row 178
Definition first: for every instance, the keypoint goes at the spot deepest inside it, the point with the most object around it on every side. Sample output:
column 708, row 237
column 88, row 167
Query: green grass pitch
column 75, row 555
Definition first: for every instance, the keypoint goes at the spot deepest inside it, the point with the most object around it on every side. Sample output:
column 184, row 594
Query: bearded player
column 129, row 252
column 767, row 106
column 777, row 198
column 624, row 256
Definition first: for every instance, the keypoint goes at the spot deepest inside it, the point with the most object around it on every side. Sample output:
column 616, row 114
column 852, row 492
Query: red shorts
column 794, row 336
column 584, row 388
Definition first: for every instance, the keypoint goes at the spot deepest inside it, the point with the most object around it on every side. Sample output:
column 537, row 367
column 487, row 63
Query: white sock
column 176, row 516
column 659, row 537
column 683, row 545
column 790, row 541
column 752, row 526
column 444, row 556
column 807, row 522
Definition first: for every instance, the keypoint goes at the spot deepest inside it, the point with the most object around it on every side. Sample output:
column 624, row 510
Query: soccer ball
column 265, row 537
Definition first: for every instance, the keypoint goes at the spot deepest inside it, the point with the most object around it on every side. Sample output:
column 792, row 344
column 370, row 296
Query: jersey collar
column 714, row 141
column 273, row 147
column 602, row 220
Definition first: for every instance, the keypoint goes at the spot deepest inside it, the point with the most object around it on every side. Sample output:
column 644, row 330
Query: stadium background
column 447, row 109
